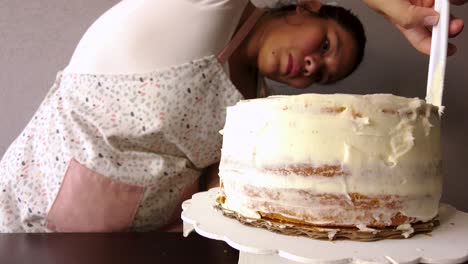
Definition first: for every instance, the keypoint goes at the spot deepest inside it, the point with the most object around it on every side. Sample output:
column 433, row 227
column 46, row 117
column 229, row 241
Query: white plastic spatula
column 438, row 56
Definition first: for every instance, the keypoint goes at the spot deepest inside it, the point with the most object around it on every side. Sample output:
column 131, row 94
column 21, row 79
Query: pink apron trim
column 90, row 202
column 240, row 35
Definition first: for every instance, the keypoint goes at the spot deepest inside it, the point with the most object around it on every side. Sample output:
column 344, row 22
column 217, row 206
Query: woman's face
column 301, row 49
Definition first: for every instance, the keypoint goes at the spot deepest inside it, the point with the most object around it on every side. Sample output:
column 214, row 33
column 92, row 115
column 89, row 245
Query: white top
column 138, row 36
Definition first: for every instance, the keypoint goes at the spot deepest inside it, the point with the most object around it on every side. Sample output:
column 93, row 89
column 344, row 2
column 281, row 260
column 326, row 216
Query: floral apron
column 110, row 153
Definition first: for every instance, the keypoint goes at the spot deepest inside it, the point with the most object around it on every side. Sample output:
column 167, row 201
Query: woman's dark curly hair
column 345, row 18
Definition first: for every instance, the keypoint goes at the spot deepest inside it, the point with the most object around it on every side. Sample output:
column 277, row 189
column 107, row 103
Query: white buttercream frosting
column 377, row 144
column 408, row 230
column 364, row 228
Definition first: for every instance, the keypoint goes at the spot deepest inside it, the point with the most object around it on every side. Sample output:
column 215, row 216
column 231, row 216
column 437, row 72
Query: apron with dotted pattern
column 110, row 153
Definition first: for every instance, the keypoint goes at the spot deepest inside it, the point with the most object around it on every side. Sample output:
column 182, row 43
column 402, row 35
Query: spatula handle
column 438, row 56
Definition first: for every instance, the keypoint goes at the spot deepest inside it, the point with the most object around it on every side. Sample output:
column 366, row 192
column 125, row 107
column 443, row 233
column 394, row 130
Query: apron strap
column 240, row 35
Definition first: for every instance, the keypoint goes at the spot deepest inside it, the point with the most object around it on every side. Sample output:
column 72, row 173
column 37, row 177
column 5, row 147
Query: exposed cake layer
column 335, row 145
column 305, row 206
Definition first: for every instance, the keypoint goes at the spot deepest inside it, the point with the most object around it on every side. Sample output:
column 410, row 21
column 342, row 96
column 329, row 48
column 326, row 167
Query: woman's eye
column 325, row 45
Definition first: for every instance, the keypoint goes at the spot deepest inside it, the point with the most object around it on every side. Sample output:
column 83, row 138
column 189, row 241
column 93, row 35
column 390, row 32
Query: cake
column 363, row 167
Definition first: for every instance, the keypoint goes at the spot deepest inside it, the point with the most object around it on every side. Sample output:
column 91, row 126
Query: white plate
column 448, row 243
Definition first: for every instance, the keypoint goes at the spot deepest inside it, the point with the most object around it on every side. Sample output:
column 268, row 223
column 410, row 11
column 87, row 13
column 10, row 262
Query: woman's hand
column 415, row 18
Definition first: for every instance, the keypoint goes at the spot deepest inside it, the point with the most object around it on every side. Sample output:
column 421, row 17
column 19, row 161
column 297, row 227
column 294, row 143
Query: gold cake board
column 331, row 233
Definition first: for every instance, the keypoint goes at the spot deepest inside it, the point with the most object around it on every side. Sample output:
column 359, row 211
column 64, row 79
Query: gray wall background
column 37, row 39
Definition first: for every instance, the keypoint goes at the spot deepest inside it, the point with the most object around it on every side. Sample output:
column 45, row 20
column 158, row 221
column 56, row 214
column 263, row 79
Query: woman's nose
column 311, row 65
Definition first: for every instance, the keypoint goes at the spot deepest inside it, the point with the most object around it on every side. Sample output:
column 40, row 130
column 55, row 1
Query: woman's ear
column 308, row 5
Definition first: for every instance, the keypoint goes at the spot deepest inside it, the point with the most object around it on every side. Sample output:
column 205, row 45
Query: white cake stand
column 448, row 243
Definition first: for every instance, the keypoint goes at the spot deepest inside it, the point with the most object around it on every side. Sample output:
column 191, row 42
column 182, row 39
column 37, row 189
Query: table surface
column 115, row 248
column 135, row 248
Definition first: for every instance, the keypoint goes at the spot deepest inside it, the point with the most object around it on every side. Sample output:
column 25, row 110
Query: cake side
column 333, row 160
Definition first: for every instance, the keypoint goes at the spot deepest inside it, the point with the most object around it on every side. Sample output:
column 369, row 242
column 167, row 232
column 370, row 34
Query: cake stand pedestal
column 448, row 243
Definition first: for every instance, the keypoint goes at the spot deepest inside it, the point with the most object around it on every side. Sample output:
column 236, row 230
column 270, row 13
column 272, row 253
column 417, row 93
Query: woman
column 127, row 128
